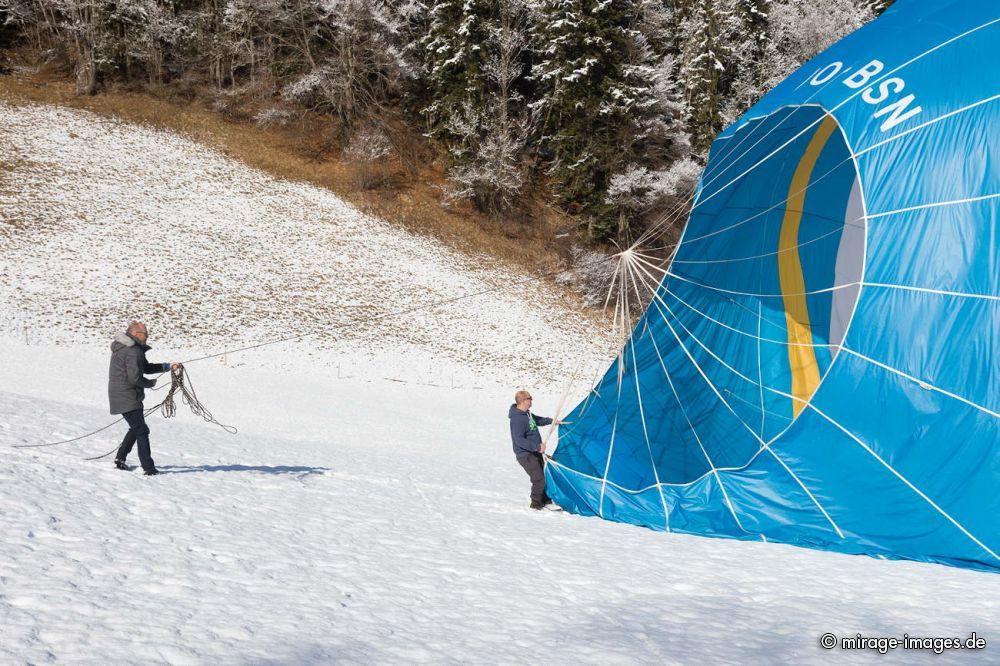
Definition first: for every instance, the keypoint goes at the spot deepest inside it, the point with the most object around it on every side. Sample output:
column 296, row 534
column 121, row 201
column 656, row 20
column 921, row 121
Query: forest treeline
column 604, row 109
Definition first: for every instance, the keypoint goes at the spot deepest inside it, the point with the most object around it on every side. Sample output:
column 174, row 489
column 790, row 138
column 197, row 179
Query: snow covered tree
column 746, row 31
column 78, row 26
column 638, row 189
column 355, row 65
column 596, row 89
column 489, row 153
column 17, row 17
column 702, row 56
column 799, row 29
column 140, row 33
column 453, row 60
column 803, row 29
column 878, row 6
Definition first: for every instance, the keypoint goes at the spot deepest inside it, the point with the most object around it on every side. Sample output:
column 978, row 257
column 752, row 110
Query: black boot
column 537, row 505
column 120, row 464
column 151, row 472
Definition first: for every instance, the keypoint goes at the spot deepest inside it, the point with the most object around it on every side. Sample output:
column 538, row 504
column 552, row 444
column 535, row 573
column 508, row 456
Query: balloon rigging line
column 815, row 181
column 634, row 269
column 761, row 256
column 756, row 407
column 906, row 481
column 872, row 216
column 840, row 346
column 925, row 385
column 759, row 338
column 825, row 290
column 351, row 321
column 927, row 290
column 692, row 191
column 923, row 125
column 645, row 434
column 763, row 444
column 708, row 458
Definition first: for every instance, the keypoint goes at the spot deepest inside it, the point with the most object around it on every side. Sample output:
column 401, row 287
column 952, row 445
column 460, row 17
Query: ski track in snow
column 351, row 519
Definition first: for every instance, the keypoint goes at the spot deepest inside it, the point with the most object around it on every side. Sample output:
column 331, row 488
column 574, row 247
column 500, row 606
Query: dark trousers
column 138, row 433
column 534, row 465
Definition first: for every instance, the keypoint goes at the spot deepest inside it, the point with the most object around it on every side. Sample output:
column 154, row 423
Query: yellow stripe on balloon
column 801, row 358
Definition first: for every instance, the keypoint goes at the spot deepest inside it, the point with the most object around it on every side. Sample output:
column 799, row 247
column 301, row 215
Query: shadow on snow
column 280, row 469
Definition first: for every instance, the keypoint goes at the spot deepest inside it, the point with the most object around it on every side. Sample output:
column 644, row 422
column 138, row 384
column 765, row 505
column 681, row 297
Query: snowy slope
column 354, row 517
column 101, row 221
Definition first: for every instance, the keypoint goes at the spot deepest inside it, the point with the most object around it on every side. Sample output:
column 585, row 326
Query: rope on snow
column 179, row 382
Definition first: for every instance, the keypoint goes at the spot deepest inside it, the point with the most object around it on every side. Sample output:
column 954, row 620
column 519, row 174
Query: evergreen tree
column 701, row 75
column 748, row 45
column 593, row 93
column 453, row 60
column 489, row 150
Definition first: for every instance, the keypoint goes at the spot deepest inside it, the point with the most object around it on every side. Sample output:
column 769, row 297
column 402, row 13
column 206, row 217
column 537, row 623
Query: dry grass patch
column 300, row 151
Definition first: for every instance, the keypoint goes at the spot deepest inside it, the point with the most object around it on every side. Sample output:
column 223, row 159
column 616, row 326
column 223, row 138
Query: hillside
column 218, row 255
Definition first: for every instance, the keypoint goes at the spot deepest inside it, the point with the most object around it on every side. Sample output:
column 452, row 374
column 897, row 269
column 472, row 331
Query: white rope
column 705, row 184
column 645, row 434
column 922, row 383
column 760, row 362
column 777, row 324
column 588, row 401
column 833, row 169
column 765, row 254
column 627, row 270
column 764, row 445
column 760, row 408
column 738, row 331
column 611, row 448
column 657, row 301
column 927, row 290
column 719, row 359
column 758, row 313
column 927, row 124
column 838, row 287
column 678, row 208
column 694, row 432
column 809, row 404
column 953, row 202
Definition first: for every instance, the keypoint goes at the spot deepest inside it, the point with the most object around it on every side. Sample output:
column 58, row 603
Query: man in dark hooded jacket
column 126, row 386
column 528, row 446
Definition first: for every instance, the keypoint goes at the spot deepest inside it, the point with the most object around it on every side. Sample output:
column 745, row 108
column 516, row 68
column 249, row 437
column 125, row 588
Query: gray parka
column 126, row 383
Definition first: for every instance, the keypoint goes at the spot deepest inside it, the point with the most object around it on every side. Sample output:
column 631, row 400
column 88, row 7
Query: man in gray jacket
column 528, row 445
column 126, row 386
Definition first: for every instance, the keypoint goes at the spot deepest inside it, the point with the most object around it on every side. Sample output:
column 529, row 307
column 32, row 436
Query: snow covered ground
column 377, row 522
column 371, row 513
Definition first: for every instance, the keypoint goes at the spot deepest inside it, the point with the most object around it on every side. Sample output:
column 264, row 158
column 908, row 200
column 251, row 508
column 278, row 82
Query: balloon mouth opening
column 768, row 274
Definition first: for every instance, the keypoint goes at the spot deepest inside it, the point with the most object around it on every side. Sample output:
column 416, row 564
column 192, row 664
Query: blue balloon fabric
column 819, row 365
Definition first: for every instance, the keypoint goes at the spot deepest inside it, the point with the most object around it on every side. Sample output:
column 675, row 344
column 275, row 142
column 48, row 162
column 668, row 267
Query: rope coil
column 179, row 382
